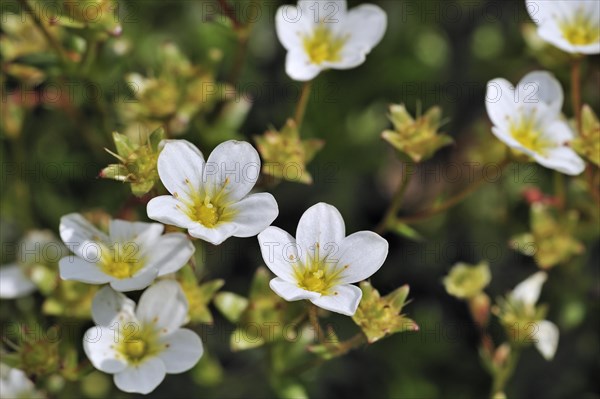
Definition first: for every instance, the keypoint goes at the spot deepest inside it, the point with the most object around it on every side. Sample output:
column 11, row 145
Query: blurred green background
column 434, row 52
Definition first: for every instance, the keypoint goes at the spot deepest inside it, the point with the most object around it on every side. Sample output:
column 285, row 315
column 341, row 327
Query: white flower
column 573, row 25
column 140, row 345
column 130, row 257
column 15, row 384
column 37, row 248
column 321, row 263
column 546, row 333
column 323, row 34
column 528, row 119
column 210, row 198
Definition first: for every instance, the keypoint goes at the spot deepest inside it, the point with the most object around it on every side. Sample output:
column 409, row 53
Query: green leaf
column 231, row 305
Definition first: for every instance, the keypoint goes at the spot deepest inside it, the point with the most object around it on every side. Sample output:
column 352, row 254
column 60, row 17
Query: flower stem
column 576, row 91
column 313, row 316
column 450, row 202
column 394, row 207
column 559, row 190
column 51, row 39
column 229, row 12
column 501, row 377
column 302, row 102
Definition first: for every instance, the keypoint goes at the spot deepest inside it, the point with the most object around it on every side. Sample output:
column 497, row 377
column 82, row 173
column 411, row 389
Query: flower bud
column 466, row 281
column 286, row 155
column 417, row 139
column 587, row 144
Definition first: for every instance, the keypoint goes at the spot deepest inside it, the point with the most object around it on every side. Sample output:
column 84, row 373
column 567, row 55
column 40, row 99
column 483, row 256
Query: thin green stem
column 313, row 316
column 503, row 375
column 450, row 202
column 576, row 90
column 390, row 215
column 559, row 190
column 302, row 102
column 51, row 39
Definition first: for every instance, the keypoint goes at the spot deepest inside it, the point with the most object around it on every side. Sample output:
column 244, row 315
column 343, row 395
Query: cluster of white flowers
column 212, row 200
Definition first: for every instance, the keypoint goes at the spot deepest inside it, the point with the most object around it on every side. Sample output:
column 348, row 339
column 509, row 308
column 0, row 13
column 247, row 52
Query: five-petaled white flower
column 323, row 34
column 15, row 384
column 210, row 198
column 528, row 119
column 573, row 25
column 546, row 333
column 140, row 345
column 321, row 263
column 130, row 257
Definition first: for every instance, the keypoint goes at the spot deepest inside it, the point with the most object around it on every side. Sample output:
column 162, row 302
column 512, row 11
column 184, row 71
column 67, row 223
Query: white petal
column 344, row 299
column 231, row 171
column 558, row 131
column 500, row 102
column 215, row 235
column 142, row 378
column 143, row 233
column 366, row 25
column 528, row 291
column 169, row 210
column 163, row 304
column 253, row 214
column 139, row 281
column 562, row 159
column 320, row 231
column 504, row 136
column 180, row 167
column 170, row 253
column 74, row 268
column 99, row 344
column 14, row 283
column 363, row 252
column 279, row 251
column 541, row 86
column 110, row 306
column 290, row 291
column 76, row 232
column 547, row 338
column 299, row 67
column 183, row 350
column 291, row 24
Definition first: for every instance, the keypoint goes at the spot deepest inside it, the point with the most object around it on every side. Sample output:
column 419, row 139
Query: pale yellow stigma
column 207, row 213
column 581, row 30
column 528, row 135
column 122, row 260
column 323, row 45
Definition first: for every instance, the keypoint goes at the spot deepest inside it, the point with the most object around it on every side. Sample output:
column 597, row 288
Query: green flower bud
column 417, row 139
column 379, row 316
column 466, row 281
column 587, row 144
column 138, row 162
column 198, row 296
column 40, row 356
column 283, row 149
column 551, row 241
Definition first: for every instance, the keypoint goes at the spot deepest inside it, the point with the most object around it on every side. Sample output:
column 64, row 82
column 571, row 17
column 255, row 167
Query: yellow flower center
column 207, row 214
column 318, row 275
column 122, row 260
column 135, row 349
column 323, row 45
column 205, row 209
column 138, row 343
column 528, row 135
column 581, row 30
